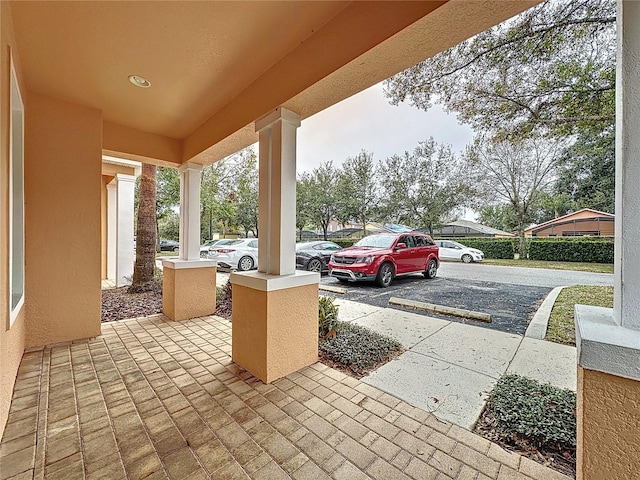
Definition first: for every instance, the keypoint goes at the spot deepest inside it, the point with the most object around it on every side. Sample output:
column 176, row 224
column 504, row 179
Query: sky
column 368, row 121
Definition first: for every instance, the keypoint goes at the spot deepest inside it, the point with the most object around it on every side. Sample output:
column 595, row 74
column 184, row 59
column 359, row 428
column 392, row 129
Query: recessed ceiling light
column 139, row 81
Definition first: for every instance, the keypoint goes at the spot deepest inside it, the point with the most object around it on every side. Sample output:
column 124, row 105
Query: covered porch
column 155, row 399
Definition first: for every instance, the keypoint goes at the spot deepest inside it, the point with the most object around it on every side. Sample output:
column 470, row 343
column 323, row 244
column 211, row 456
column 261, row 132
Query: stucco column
column 275, row 310
column 190, row 211
column 112, row 219
column 277, row 192
column 125, row 192
column 608, row 340
column 627, row 247
column 189, row 282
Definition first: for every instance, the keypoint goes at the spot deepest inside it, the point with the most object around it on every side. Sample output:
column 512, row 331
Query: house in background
column 581, row 223
column 467, row 228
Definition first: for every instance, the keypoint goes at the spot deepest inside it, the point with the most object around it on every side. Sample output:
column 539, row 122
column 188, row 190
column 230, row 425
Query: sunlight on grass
column 561, row 327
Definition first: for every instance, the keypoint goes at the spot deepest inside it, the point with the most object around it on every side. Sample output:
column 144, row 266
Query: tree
column 246, row 192
column 517, row 174
column 356, row 191
column 500, row 216
column 424, row 187
column 587, row 175
column 550, row 70
column 304, row 213
column 144, row 268
column 322, row 196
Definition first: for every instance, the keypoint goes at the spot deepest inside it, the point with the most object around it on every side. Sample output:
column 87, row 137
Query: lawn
column 577, row 266
column 561, row 323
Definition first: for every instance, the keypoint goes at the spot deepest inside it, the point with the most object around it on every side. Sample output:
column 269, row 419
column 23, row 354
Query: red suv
column 381, row 257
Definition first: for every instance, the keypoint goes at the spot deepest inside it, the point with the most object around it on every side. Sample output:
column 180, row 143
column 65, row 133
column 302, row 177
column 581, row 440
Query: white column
column 190, row 211
column 112, row 218
column 125, row 191
column 277, row 192
column 627, row 236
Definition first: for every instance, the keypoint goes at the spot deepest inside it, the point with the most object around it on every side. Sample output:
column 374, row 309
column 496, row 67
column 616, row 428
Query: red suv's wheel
column 432, row 269
column 385, row 275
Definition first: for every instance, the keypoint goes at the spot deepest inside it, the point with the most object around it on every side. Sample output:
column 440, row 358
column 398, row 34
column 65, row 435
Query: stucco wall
column 12, row 339
column 608, row 426
column 63, row 157
column 188, row 292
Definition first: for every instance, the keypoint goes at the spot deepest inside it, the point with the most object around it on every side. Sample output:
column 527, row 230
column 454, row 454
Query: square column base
column 275, row 322
column 188, row 288
column 608, row 411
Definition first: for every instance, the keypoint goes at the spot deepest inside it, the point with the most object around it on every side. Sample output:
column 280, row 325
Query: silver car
column 240, row 254
column 450, row 250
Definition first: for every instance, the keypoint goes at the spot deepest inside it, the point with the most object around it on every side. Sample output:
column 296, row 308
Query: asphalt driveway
column 510, row 294
column 510, row 306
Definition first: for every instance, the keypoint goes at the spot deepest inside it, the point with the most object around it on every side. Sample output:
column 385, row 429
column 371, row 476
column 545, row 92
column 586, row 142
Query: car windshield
column 376, row 241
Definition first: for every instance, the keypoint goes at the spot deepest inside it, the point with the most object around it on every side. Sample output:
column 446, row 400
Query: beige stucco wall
column 188, row 292
column 12, row 339
column 608, row 416
column 275, row 333
column 63, row 157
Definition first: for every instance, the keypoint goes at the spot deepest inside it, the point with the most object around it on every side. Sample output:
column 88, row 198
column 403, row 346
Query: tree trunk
column 144, row 268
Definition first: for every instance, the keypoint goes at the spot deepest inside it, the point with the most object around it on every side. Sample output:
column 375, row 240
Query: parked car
column 240, row 254
column 450, row 250
column 169, row 246
column 382, row 257
column 315, row 256
column 209, row 246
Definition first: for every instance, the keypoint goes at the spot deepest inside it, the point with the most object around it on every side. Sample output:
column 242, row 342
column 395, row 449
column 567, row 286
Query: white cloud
column 368, row 121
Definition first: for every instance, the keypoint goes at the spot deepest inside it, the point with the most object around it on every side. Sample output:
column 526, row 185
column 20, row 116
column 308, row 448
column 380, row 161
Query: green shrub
column 358, row 348
column 501, row 248
column 580, row 249
column 541, row 414
column 344, row 242
column 327, row 315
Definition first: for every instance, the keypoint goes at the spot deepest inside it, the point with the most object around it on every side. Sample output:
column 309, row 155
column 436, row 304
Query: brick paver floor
column 154, row 399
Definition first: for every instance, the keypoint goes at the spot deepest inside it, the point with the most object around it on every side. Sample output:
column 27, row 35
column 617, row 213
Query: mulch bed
column 118, row 304
column 563, row 462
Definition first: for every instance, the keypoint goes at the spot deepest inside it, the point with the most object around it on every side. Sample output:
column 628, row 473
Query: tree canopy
column 550, row 70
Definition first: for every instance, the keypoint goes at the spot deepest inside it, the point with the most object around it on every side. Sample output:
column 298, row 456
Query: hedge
column 491, row 247
column 581, row 249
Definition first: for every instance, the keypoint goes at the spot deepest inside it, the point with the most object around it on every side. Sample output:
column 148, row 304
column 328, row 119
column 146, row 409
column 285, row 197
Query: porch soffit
column 216, row 67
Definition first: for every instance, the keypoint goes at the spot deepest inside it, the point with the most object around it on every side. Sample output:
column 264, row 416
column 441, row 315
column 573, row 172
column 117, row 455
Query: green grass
column 166, row 254
column 577, row 266
column 561, row 323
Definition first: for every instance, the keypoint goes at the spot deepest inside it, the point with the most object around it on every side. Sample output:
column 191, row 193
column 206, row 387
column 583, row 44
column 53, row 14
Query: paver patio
column 155, row 399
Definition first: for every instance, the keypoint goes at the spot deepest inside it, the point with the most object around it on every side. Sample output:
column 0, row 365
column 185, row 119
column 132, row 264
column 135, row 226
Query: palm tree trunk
column 145, row 264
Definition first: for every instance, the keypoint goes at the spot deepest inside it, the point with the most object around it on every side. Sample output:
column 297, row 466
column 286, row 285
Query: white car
column 240, row 254
column 210, row 245
column 450, row 250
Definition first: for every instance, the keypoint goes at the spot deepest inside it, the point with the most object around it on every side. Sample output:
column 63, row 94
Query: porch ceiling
column 215, row 67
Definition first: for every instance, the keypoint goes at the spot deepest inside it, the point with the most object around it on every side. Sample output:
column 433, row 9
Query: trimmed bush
column 344, row 242
column 580, row 249
column 501, row 248
column 358, row 348
column 541, row 414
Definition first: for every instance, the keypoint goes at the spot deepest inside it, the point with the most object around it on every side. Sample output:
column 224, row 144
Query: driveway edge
column 430, row 307
column 540, row 321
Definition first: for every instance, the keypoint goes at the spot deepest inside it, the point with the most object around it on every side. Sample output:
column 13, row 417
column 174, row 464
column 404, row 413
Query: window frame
column 16, row 160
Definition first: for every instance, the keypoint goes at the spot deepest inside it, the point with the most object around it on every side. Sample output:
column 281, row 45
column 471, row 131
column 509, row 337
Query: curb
column 329, row 288
column 430, row 307
column 538, row 326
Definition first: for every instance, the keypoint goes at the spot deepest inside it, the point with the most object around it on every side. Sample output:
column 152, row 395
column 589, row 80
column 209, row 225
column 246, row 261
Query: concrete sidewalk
column 449, row 368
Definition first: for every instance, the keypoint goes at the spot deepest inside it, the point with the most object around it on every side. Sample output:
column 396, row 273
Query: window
column 16, row 198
